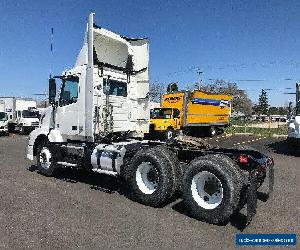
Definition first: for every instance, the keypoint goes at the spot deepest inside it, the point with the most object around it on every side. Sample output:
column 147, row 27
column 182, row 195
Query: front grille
column 35, row 124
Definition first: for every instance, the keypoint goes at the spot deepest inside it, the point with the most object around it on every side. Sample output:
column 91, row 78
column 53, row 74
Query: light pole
column 199, row 80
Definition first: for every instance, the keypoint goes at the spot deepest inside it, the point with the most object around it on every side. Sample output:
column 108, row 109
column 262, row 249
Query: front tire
column 211, row 188
column 169, row 134
column 44, row 159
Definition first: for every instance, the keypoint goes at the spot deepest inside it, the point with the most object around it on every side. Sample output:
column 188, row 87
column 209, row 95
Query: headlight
column 162, row 127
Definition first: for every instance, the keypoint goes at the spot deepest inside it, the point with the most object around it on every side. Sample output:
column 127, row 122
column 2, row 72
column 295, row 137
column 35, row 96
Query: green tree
column 274, row 111
column 263, row 103
column 172, row 87
column 156, row 89
column 240, row 100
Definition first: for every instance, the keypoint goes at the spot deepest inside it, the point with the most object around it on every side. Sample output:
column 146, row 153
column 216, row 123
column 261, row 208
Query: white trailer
column 293, row 138
column 22, row 114
column 99, row 121
column 3, row 119
column 2, row 106
column 154, row 105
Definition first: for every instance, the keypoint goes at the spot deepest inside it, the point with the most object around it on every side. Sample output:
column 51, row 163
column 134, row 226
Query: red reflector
column 243, row 159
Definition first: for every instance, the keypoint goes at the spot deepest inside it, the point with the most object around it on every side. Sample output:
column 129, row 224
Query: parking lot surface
column 78, row 209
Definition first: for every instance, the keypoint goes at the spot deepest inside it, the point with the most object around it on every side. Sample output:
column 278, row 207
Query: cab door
column 67, row 111
column 177, row 120
column 18, row 115
column 116, row 89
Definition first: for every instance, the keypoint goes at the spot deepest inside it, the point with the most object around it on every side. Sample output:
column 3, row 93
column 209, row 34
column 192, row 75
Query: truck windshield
column 161, row 113
column 29, row 114
column 3, row 116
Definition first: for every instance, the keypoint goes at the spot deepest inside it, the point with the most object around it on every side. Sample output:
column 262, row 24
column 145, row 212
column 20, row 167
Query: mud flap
column 271, row 180
column 252, row 192
column 252, row 198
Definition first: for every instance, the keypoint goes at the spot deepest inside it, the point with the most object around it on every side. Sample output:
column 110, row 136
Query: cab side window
column 69, row 91
column 114, row 87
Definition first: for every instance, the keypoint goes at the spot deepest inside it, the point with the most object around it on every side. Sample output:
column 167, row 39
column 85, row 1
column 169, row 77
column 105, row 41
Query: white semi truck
column 3, row 119
column 99, row 121
column 22, row 114
column 293, row 138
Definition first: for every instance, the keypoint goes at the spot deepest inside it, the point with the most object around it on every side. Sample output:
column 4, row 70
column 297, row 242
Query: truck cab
column 166, row 121
column 104, row 97
column 26, row 120
column 3, row 123
column 99, row 121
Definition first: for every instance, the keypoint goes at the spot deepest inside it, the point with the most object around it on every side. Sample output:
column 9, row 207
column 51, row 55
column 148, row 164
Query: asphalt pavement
column 78, row 209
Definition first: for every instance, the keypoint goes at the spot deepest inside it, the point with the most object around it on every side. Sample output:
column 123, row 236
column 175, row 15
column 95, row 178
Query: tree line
column 241, row 103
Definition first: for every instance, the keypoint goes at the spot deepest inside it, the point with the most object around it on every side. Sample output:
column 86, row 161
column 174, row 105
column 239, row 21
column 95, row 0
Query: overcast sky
column 231, row 40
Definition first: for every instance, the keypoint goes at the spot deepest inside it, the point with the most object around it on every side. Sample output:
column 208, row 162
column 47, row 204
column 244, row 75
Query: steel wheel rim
column 45, row 158
column 169, row 134
column 144, row 178
column 207, row 190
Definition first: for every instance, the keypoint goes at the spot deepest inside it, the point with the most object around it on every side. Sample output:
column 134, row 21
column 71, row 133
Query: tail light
column 243, row 159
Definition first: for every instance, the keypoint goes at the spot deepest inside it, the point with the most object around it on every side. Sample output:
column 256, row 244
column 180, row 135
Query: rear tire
column 292, row 147
column 11, row 128
column 152, row 176
column 212, row 132
column 220, row 130
column 212, row 187
column 44, row 159
column 172, row 158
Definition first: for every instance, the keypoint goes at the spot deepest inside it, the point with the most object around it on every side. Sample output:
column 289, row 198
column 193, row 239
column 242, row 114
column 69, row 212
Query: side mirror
column 52, row 90
column 129, row 67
